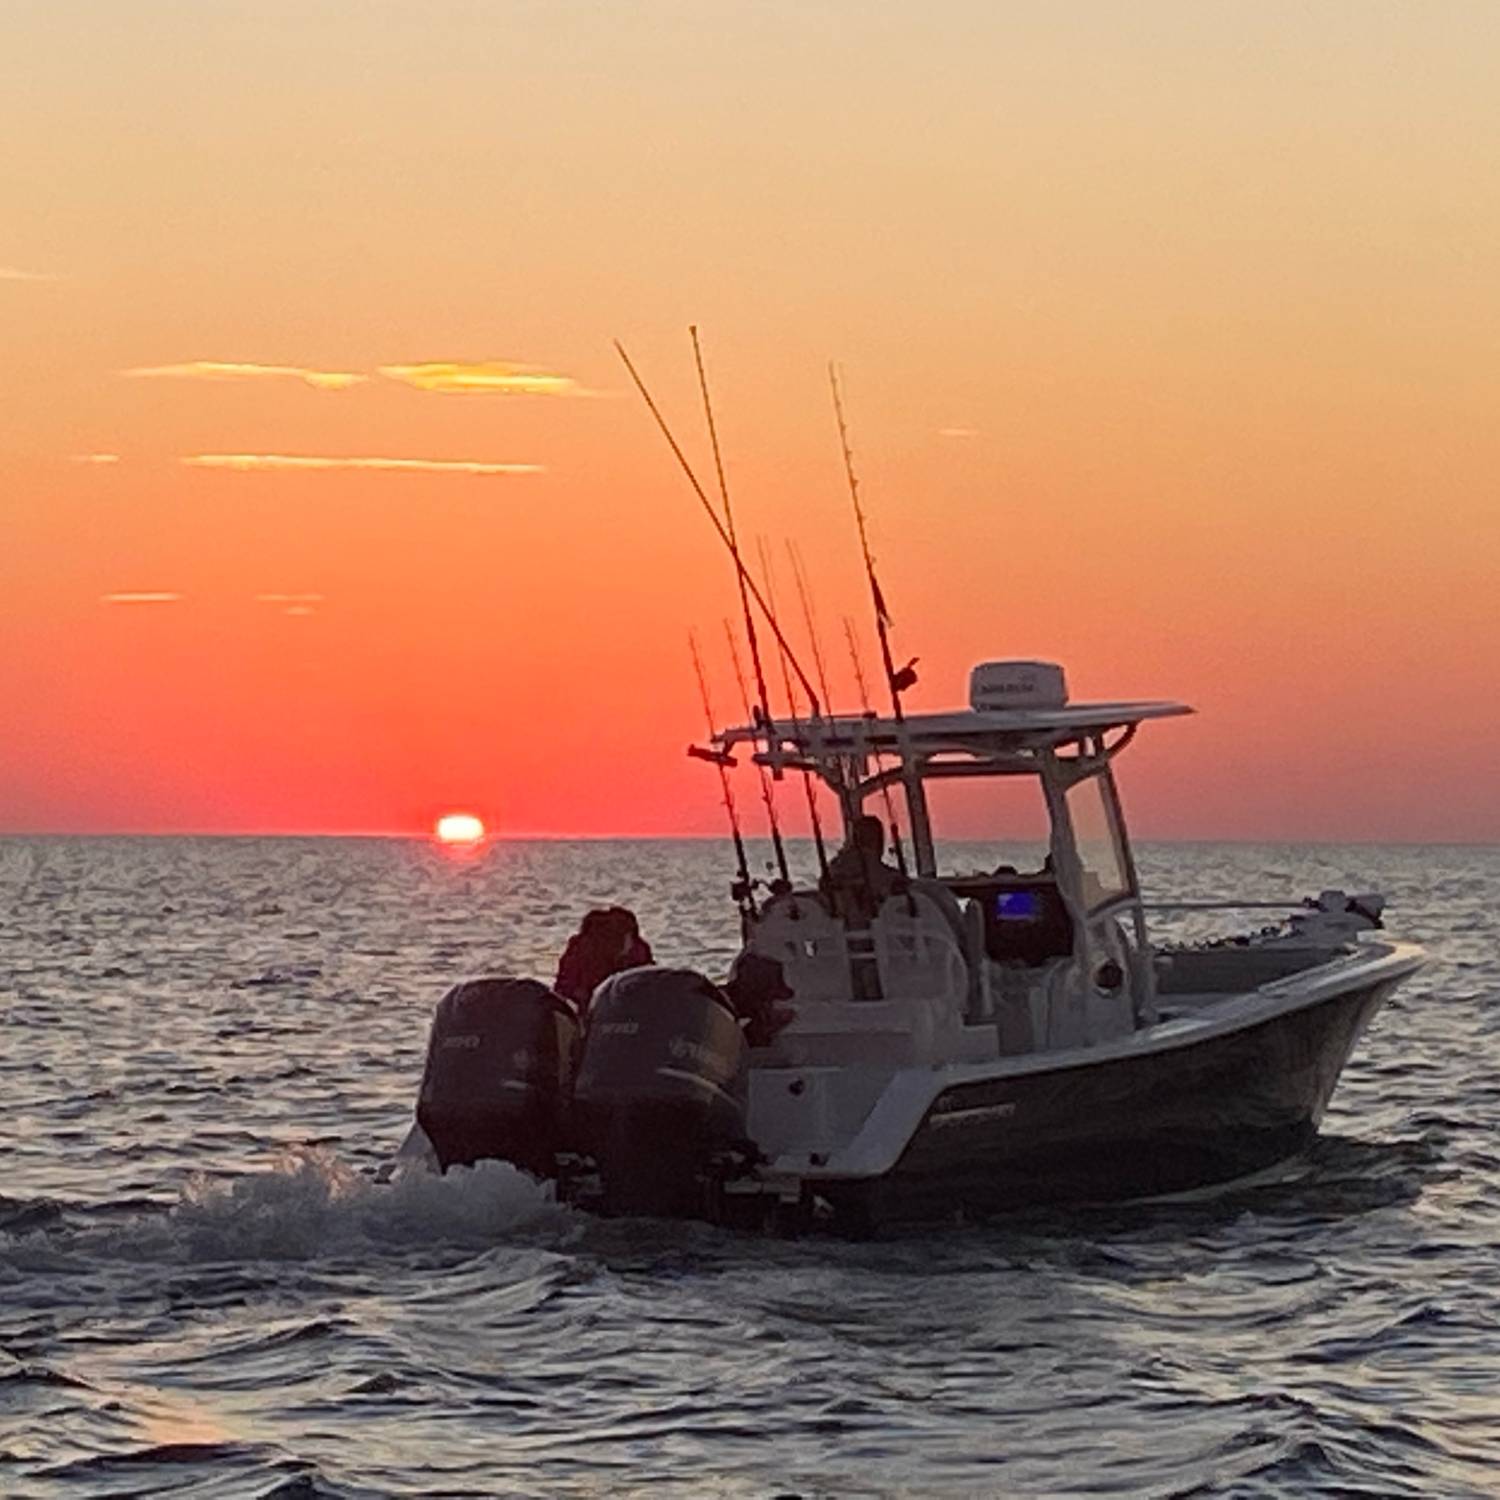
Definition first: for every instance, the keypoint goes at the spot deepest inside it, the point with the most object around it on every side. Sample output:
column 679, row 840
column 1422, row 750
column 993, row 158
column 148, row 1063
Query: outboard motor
column 661, row 1089
column 499, row 1064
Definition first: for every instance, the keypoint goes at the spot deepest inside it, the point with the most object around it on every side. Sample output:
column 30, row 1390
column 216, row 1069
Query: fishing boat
column 927, row 1040
column 967, row 1043
column 1016, row 1038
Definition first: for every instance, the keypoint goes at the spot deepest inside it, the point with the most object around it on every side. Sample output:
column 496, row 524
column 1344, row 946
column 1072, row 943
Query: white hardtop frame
column 1061, row 745
column 928, row 944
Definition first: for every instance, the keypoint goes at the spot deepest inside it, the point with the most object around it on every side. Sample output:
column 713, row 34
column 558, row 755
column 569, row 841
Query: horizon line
column 427, row 836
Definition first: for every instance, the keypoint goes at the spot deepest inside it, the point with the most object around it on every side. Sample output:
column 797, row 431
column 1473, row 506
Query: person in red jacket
column 608, row 941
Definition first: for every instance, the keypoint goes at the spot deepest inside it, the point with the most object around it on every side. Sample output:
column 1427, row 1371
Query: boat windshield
column 1105, row 869
column 984, row 827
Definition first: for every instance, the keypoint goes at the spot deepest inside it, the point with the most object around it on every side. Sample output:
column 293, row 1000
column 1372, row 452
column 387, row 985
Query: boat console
column 1025, row 919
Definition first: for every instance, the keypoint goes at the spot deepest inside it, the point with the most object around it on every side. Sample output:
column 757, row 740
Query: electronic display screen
column 1018, row 906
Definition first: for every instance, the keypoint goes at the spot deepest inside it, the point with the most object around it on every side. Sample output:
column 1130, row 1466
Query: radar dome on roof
column 998, row 685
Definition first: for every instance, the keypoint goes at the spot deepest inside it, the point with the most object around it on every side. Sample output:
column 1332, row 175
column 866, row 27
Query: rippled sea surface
column 208, row 1046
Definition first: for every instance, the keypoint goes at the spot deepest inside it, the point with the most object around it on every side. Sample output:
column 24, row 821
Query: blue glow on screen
column 1018, row 906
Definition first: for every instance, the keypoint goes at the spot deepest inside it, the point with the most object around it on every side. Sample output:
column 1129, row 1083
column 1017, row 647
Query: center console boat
column 962, row 1042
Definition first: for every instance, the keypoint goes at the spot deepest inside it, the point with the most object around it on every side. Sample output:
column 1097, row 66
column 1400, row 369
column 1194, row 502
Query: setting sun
column 459, row 828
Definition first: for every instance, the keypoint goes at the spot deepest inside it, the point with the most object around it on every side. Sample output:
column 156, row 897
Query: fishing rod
column 791, row 700
column 746, row 581
column 896, row 681
column 743, row 889
column 767, row 788
column 809, row 617
column 843, row 773
column 897, row 847
column 763, row 701
column 860, row 680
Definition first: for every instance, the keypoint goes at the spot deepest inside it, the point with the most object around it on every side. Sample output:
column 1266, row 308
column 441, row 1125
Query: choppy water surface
column 207, row 1047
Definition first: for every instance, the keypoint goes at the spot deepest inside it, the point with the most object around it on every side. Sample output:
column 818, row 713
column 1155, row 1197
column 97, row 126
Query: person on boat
column 756, row 986
column 858, row 881
column 608, row 941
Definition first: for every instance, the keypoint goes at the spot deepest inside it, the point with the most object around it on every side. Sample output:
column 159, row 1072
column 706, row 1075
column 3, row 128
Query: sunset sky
column 1170, row 334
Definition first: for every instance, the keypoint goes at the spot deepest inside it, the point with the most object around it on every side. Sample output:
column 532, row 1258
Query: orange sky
column 1170, row 335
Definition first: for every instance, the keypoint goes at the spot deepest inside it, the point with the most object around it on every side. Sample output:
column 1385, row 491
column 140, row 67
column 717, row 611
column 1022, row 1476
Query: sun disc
column 459, row 828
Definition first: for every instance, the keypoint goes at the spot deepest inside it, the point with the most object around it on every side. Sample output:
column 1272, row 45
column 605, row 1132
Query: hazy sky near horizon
column 1170, row 335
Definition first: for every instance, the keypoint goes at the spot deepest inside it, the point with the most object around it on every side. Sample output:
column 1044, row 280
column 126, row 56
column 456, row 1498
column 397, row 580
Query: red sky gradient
column 1170, row 340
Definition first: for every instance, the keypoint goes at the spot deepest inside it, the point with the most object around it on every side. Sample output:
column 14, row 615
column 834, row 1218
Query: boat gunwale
column 911, row 1092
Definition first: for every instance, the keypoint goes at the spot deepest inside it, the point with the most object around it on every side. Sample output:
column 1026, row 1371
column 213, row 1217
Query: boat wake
column 311, row 1205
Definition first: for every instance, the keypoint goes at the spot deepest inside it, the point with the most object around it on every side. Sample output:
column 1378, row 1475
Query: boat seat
column 966, row 921
column 919, row 949
column 947, row 903
column 809, row 943
column 916, row 939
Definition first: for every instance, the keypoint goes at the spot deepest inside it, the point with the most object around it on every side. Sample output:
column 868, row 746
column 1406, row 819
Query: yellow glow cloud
column 96, row 458
column 958, row 432
column 486, row 377
column 213, row 369
column 247, row 463
column 158, row 598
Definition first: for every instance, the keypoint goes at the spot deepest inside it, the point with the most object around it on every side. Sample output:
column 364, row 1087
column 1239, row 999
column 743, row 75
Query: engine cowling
column 498, row 1075
column 661, row 1087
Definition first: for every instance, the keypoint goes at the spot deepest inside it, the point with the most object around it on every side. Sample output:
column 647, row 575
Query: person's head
column 608, row 929
column 597, row 925
column 868, row 835
column 624, row 921
column 621, row 928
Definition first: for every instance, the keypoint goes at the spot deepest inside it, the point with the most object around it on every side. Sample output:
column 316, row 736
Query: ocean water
column 209, row 1046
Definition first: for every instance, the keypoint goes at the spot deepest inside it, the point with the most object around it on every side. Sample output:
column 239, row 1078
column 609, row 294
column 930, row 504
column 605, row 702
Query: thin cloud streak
column 958, row 432
column 213, row 369
column 96, row 458
column 300, row 605
column 146, row 598
column 485, row 377
column 15, row 273
column 447, row 377
column 249, row 463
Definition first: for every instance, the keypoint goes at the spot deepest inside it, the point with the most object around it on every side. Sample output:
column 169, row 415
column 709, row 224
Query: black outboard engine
column 661, row 1089
column 499, row 1066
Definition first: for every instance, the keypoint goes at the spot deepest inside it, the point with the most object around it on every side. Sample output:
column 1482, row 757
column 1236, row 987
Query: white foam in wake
column 312, row 1203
